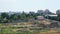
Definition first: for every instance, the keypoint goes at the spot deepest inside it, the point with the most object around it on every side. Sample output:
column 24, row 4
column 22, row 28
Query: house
column 51, row 16
column 40, row 17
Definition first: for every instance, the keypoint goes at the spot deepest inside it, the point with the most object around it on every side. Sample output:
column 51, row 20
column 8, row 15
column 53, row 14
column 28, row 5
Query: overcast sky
column 29, row 5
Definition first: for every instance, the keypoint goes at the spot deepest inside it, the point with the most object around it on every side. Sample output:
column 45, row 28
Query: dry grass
column 50, row 32
column 21, row 26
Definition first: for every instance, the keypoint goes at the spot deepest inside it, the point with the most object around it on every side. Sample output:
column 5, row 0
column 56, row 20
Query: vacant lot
column 26, row 28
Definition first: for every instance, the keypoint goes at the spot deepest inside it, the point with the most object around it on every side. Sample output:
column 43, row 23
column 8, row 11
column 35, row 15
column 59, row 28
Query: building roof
column 50, row 15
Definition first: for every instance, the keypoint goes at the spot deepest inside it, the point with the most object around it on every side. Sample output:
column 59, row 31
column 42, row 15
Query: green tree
column 4, row 15
column 58, row 17
column 23, row 16
column 31, row 15
column 14, row 17
column 5, row 20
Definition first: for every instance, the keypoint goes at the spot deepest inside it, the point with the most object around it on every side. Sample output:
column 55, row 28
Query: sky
column 29, row 5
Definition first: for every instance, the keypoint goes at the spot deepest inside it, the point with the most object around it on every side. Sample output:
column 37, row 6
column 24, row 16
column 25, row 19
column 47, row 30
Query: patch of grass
column 12, row 30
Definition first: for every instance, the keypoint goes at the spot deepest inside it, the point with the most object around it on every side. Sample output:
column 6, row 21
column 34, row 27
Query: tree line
column 5, row 17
